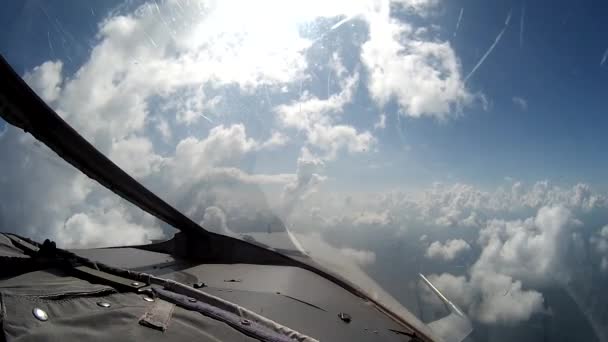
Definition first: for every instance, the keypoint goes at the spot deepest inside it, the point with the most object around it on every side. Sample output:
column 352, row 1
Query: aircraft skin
column 196, row 286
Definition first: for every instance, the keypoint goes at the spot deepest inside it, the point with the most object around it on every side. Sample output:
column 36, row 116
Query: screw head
column 40, row 314
column 104, row 304
column 345, row 317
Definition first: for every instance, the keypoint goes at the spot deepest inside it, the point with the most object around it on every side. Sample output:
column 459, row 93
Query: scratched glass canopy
column 384, row 138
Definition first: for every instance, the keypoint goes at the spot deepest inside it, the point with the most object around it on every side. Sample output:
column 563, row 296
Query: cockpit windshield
column 382, row 139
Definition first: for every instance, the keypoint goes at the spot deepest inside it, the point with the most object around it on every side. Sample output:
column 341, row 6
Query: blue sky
column 235, row 113
column 555, row 69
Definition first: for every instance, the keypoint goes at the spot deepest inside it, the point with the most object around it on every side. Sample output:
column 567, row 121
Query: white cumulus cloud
column 360, row 257
column 447, row 251
column 423, row 76
column 105, row 228
column 513, row 253
column 135, row 155
column 599, row 241
column 317, row 119
column 46, row 80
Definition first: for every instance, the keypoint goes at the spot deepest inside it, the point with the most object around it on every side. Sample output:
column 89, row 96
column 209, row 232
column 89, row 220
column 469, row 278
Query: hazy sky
column 458, row 139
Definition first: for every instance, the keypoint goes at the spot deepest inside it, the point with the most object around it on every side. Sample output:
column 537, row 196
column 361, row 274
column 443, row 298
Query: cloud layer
column 518, row 239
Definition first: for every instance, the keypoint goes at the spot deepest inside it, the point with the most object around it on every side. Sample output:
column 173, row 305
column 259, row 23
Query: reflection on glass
column 453, row 139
